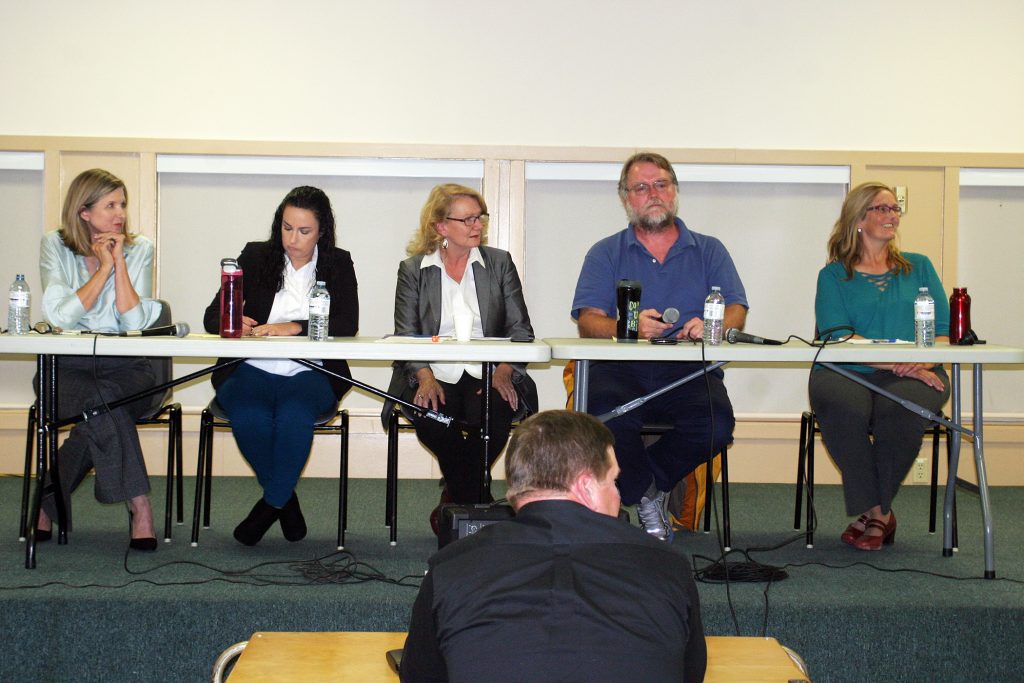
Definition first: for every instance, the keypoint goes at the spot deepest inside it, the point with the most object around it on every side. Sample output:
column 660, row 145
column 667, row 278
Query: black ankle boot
column 261, row 517
column 293, row 524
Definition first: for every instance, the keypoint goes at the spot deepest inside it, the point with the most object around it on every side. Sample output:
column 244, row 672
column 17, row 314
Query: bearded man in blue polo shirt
column 677, row 268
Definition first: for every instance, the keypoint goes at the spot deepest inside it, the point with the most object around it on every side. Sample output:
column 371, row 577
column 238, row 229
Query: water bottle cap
column 320, row 282
column 716, row 289
column 922, row 289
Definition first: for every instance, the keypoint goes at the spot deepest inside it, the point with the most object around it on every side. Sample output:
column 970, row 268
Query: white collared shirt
column 290, row 303
column 456, row 296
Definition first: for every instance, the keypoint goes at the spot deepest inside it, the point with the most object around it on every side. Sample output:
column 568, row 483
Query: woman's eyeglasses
column 886, row 208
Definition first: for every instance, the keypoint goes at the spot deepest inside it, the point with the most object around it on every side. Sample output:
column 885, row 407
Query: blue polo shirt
column 694, row 264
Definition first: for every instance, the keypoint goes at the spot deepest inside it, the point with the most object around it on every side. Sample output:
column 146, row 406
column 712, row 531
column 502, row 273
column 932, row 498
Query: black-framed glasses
column 645, row 188
column 886, row 208
column 470, row 221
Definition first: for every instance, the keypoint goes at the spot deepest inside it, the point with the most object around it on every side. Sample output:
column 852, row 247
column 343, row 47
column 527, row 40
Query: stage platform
column 88, row 613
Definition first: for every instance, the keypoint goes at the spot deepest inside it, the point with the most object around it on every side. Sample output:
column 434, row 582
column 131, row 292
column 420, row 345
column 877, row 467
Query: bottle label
column 924, row 310
column 19, row 299
column 319, row 306
column 713, row 311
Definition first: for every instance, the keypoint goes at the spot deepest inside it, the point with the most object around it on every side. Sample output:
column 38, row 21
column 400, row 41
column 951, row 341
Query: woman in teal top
column 869, row 286
column 97, row 276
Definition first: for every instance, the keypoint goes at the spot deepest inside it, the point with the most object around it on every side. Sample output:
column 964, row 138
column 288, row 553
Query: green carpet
column 173, row 611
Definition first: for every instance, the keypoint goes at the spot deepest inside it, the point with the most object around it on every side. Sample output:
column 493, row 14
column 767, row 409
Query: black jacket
column 334, row 267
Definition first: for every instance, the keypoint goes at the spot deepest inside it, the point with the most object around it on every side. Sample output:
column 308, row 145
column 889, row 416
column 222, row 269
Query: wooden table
column 352, row 656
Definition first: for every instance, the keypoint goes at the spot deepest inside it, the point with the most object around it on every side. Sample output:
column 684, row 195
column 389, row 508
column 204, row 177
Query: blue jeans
column 689, row 409
column 272, row 418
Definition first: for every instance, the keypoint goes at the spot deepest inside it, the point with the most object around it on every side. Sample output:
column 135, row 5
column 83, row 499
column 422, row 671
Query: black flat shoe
column 251, row 529
column 144, row 544
column 293, row 524
column 43, row 535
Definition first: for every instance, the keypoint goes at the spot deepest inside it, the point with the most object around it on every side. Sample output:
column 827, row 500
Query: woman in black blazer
column 273, row 403
column 450, row 273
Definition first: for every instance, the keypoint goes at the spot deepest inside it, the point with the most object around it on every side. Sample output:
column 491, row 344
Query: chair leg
column 208, row 475
column 169, row 495
column 709, row 488
column 204, row 434
column 812, row 430
column 343, row 481
column 934, row 488
column 805, row 419
column 179, row 461
column 26, row 484
column 726, row 522
column 391, row 505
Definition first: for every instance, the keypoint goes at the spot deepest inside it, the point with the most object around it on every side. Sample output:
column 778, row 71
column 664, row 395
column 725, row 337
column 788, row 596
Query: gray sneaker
column 654, row 518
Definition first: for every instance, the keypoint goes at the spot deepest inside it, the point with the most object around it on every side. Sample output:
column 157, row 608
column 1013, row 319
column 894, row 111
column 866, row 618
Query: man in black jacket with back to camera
column 565, row 591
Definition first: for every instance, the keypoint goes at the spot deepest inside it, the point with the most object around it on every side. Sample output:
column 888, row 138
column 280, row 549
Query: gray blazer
column 502, row 312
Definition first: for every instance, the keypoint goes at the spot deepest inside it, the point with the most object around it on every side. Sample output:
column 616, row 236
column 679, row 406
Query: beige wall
column 738, row 81
column 749, row 74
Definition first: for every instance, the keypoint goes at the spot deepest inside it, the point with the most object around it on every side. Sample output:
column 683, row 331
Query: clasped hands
column 430, row 394
column 252, row 328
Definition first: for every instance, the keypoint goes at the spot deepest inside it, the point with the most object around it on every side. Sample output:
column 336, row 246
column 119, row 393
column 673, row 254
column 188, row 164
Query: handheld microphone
column 175, row 330
column 670, row 316
column 734, row 336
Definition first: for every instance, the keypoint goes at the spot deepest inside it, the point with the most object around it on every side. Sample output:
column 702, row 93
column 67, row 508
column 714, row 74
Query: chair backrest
column 163, row 366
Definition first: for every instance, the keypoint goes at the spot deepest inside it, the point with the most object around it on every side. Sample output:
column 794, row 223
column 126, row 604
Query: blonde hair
column 844, row 243
column 426, row 240
column 86, row 189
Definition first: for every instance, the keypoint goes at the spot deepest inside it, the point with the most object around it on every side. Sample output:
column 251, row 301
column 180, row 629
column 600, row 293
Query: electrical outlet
column 920, row 471
column 901, row 197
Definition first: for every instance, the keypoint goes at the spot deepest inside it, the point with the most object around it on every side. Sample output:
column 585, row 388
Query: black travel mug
column 627, row 295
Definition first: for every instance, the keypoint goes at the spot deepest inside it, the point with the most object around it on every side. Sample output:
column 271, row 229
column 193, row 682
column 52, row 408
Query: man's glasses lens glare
column 886, row 208
column 645, row 188
column 469, row 221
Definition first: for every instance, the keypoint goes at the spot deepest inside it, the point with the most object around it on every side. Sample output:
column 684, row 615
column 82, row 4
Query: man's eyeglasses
column 886, row 208
column 470, row 221
column 645, row 188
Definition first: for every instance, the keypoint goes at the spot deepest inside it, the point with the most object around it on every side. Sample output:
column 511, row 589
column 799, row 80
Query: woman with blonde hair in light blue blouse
column 99, row 277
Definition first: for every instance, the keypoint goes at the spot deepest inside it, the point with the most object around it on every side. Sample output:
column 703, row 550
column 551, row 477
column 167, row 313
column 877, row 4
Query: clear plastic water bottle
column 319, row 312
column 924, row 318
column 19, row 303
column 714, row 317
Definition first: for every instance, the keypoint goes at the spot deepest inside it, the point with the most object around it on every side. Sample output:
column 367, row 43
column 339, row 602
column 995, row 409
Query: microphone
column 736, row 336
column 670, row 316
column 175, row 330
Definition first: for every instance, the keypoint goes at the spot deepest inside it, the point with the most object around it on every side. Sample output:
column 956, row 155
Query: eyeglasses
column 470, row 221
column 645, row 188
column 886, row 208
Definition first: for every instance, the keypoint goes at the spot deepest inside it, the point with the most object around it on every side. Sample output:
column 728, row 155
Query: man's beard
column 657, row 221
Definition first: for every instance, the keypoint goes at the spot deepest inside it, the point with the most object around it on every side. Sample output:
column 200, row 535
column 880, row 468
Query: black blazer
column 333, row 266
column 503, row 313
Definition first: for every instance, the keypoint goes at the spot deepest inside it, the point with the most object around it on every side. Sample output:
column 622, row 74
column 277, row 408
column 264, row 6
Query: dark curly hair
column 305, row 197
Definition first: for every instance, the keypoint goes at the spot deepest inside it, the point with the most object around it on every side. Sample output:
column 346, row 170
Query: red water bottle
column 230, row 298
column 959, row 314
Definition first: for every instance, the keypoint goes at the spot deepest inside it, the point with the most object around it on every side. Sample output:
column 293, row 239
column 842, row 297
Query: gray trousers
column 109, row 442
column 872, row 439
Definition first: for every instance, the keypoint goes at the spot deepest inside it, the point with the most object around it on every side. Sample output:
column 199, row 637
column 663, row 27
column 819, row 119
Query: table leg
column 954, row 462
column 979, row 462
column 581, row 385
column 485, row 427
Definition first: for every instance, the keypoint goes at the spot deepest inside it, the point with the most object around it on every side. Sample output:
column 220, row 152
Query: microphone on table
column 736, row 336
column 670, row 316
column 175, row 330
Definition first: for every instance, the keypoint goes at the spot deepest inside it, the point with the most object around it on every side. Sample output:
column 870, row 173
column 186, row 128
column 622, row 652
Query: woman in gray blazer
column 449, row 273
